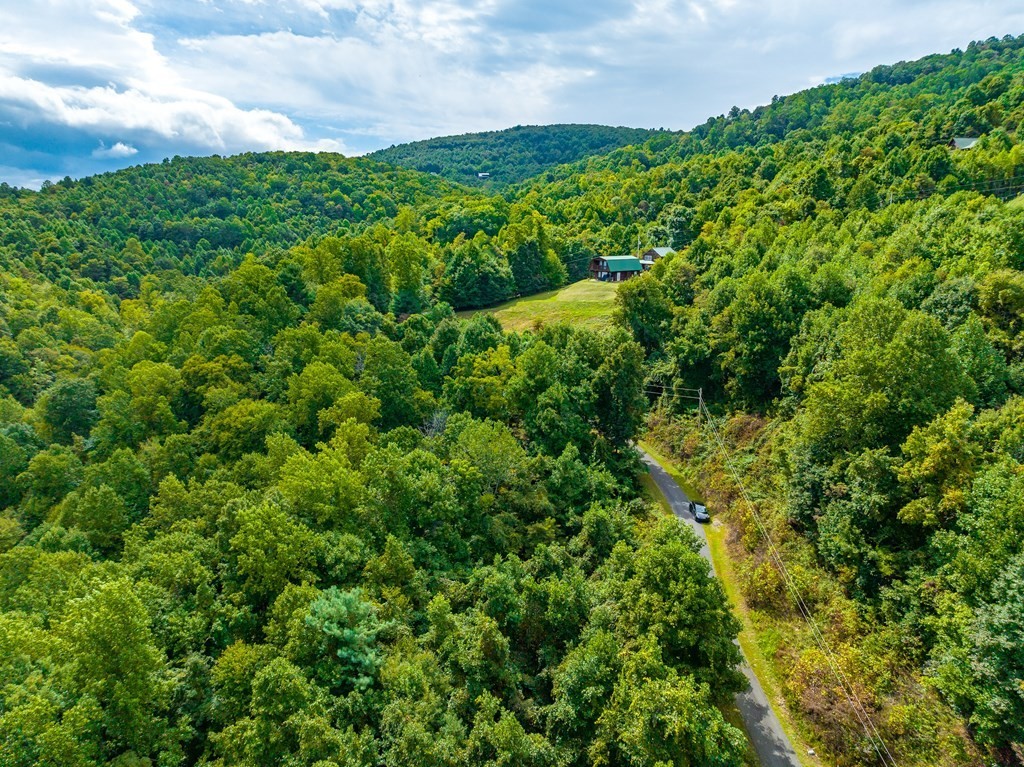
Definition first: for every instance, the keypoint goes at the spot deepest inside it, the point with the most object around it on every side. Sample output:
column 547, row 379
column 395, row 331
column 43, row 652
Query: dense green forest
column 850, row 298
column 511, row 156
column 266, row 500
column 247, row 528
column 410, row 238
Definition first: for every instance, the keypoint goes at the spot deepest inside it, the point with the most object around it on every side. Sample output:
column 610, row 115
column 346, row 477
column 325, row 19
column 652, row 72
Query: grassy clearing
column 748, row 636
column 587, row 303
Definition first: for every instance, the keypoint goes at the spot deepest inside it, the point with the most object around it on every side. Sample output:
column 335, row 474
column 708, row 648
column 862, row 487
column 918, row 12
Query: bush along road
column 770, row 742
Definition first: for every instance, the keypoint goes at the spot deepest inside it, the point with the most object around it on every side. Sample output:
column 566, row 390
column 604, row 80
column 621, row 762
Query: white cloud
column 94, row 36
column 191, row 118
column 118, row 151
column 193, row 76
column 142, row 95
column 396, row 80
column 25, row 177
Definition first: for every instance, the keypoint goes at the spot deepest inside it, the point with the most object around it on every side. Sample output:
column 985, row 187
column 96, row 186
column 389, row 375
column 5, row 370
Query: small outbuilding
column 615, row 268
column 647, row 259
column 962, row 143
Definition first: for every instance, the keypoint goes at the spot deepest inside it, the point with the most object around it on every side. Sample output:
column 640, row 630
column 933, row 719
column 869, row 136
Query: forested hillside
column 267, row 500
column 510, row 156
column 409, row 237
column 850, row 297
column 252, row 520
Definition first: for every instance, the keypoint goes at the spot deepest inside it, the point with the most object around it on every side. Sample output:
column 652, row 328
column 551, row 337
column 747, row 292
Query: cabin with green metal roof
column 615, row 268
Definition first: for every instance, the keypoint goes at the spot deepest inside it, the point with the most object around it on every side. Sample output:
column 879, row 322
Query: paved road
column 763, row 728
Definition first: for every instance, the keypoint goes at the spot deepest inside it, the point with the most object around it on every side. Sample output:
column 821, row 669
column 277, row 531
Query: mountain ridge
column 511, row 155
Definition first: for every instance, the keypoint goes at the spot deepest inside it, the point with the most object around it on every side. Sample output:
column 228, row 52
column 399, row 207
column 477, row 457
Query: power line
column 675, row 390
column 677, row 396
column 989, row 186
column 859, row 710
column 847, row 688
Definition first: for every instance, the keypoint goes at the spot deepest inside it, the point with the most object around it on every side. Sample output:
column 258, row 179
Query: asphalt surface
column 763, row 728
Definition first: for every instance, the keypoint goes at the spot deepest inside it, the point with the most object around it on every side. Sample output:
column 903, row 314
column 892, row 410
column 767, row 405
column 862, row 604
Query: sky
column 88, row 86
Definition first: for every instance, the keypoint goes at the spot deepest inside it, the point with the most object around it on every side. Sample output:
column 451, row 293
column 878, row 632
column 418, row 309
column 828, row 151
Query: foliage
column 509, row 156
column 267, row 500
column 260, row 522
column 846, row 293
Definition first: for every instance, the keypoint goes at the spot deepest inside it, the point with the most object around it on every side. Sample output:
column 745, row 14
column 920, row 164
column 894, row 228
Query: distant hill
column 512, row 155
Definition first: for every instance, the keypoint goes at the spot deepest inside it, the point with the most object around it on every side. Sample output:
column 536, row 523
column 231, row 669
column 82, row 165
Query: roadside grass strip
column 748, row 637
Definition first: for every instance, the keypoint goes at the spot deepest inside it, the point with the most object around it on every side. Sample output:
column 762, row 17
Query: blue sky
column 93, row 85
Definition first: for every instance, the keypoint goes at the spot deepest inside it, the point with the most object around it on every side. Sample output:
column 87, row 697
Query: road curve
column 763, row 727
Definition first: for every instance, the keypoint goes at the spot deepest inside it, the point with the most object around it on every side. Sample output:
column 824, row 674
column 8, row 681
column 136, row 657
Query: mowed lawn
column 587, row 302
